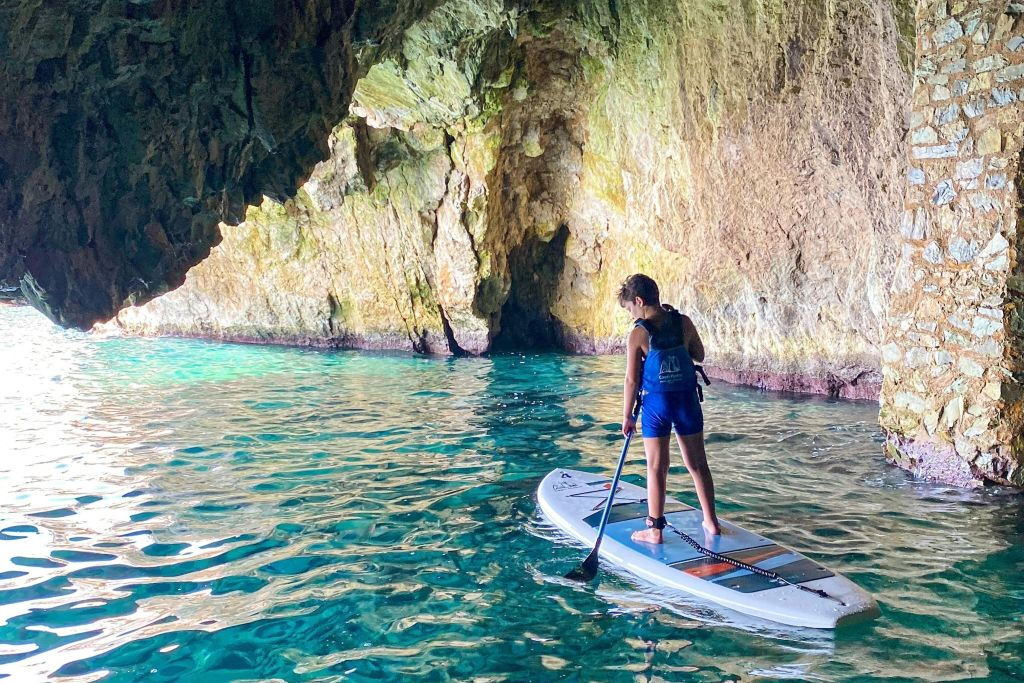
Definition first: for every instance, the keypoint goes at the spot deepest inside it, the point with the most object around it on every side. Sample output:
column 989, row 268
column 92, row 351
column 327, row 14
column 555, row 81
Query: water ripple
column 181, row 510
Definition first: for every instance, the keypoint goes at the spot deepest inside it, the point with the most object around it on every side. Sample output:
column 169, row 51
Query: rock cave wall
column 381, row 248
column 128, row 130
column 750, row 158
column 458, row 176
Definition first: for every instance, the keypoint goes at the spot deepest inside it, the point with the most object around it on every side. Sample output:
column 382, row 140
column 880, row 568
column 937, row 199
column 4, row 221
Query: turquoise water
column 187, row 511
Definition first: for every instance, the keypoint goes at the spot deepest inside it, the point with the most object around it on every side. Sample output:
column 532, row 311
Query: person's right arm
column 694, row 346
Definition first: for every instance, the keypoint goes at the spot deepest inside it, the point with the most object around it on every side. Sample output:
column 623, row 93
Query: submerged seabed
column 188, row 511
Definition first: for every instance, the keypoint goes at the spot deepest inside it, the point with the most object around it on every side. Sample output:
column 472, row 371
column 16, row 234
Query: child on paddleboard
column 660, row 355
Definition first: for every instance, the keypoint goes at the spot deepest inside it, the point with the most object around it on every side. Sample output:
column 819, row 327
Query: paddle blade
column 586, row 571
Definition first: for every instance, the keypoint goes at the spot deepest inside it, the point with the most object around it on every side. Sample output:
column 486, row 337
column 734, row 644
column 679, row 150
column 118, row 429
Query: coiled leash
column 662, row 522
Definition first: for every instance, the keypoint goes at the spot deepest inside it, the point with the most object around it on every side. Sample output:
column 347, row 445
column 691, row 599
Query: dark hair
column 639, row 285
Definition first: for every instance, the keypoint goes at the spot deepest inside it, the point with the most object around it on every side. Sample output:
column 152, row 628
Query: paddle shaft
column 615, row 480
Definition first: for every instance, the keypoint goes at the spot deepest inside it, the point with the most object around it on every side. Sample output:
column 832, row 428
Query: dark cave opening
column 526, row 322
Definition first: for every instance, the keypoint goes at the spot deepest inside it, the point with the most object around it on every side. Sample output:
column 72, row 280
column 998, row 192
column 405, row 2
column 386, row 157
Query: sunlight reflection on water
column 182, row 510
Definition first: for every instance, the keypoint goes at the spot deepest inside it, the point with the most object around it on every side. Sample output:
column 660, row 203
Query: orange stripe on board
column 708, row 571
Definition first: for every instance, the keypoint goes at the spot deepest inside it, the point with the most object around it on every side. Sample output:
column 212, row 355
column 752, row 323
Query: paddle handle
column 615, row 479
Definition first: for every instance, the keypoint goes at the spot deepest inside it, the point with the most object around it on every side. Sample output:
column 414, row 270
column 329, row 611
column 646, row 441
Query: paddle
column 588, row 570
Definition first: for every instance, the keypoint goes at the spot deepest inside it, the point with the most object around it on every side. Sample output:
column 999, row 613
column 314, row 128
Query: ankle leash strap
column 656, row 522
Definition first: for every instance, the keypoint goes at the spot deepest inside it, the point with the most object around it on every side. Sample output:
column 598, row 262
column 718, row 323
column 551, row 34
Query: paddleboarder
column 660, row 356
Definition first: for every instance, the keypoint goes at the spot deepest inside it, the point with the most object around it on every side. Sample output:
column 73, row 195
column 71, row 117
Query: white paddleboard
column 573, row 501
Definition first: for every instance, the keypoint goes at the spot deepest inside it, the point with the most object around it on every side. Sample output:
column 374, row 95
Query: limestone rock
column 129, row 129
column 761, row 188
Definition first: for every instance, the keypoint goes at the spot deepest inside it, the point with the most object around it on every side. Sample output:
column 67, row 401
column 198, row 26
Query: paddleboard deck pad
column 574, row 501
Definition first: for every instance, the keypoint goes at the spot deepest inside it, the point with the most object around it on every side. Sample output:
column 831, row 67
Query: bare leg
column 657, row 452
column 696, row 461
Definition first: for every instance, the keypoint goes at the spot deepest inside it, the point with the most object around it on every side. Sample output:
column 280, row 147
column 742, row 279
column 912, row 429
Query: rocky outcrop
column 749, row 159
column 952, row 401
column 128, row 130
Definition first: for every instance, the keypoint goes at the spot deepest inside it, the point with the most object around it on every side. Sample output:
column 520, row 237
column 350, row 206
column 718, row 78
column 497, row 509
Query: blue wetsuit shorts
column 664, row 411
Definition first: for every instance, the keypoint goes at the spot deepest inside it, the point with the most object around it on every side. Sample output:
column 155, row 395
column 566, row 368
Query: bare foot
column 647, row 536
column 711, row 528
